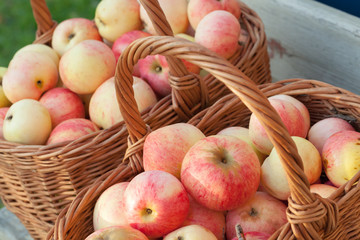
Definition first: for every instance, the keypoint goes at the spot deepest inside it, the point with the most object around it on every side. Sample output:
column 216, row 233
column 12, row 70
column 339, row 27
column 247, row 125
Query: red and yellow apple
column 156, row 203
column 215, row 24
column 198, row 9
column 62, row 104
column 165, row 147
column 262, row 213
column 104, row 108
column 86, row 66
column 3, row 111
column 221, row 172
column 292, row 117
column 323, row 129
column 273, row 175
column 324, row 190
column 109, row 208
column 71, row 129
column 340, row 156
column 29, row 75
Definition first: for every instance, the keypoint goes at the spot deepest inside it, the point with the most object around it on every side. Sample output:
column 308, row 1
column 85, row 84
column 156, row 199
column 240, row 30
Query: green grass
column 18, row 27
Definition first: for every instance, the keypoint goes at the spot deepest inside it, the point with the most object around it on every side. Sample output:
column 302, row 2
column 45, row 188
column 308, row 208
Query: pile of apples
column 208, row 187
column 60, row 93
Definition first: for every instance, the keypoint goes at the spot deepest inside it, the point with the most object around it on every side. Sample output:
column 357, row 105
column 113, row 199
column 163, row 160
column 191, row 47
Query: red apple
column 215, row 24
column 340, row 156
column 117, row 233
column 221, row 172
column 156, row 203
column 62, row 104
column 292, row 117
column 124, row 40
column 210, row 219
column 155, row 70
column 262, row 213
column 71, row 129
column 109, row 209
column 165, row 147
column 323, row 129
column 198, row 9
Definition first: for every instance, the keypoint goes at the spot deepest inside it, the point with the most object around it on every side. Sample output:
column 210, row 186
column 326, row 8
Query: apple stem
column 239, row 232
column 253, row 212
column 180, row 238
column 158, row 69
column 9, row 117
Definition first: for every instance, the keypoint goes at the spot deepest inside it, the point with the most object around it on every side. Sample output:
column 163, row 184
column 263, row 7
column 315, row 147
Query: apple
column 154, row 69
column 210, row 219
column 243, row 134
column 273, row 176
column 221, row 172
column 299, row 105
column 125, row 39
column 109, row 209
column 62, row 104
column 116, row 17
column 117, row 233
column 292, row 118
column 323, row 129
column 86, row 66
column 340, row 156
column 198, row 9
column 324, row 190
column 219, row 23
column 4, row 101
column 191, row 232
column 71, row 129
column 262, row 213
column 41, row 48
column 27, row 122
column 104, row 108
column 72, row 31
column 165, row 147
column 29, row 75
column 3, row 111
column 156, row 203
column 175, row 12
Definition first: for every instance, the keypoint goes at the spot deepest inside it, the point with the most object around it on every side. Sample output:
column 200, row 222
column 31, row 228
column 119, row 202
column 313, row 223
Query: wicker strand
column 44, row 21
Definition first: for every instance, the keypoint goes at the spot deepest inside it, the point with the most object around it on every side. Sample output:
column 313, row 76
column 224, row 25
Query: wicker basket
column 37, row 182
column 309, row 215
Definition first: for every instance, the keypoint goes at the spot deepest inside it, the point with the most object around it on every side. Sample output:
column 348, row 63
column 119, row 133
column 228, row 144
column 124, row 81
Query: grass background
column 18, row 27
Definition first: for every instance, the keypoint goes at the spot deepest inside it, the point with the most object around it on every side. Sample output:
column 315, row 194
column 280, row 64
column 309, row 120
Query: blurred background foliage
column 18, row 27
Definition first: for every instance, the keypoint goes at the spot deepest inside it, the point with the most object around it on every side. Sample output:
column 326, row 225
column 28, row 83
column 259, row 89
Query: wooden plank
column 308, row 39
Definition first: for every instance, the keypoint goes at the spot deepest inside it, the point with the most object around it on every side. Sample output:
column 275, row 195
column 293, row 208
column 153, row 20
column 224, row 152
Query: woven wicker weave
column 309, row 215
column 37, row 182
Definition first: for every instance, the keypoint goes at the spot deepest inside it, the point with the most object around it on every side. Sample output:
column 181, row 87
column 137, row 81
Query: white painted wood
column 308, row 39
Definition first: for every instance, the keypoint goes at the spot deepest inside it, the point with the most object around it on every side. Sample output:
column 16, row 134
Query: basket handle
column 43, row 19
column 188, row 89
column 249, row 94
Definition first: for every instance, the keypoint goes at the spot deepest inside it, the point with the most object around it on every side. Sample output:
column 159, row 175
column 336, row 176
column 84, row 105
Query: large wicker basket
column 309, row 215
column 37, row 182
